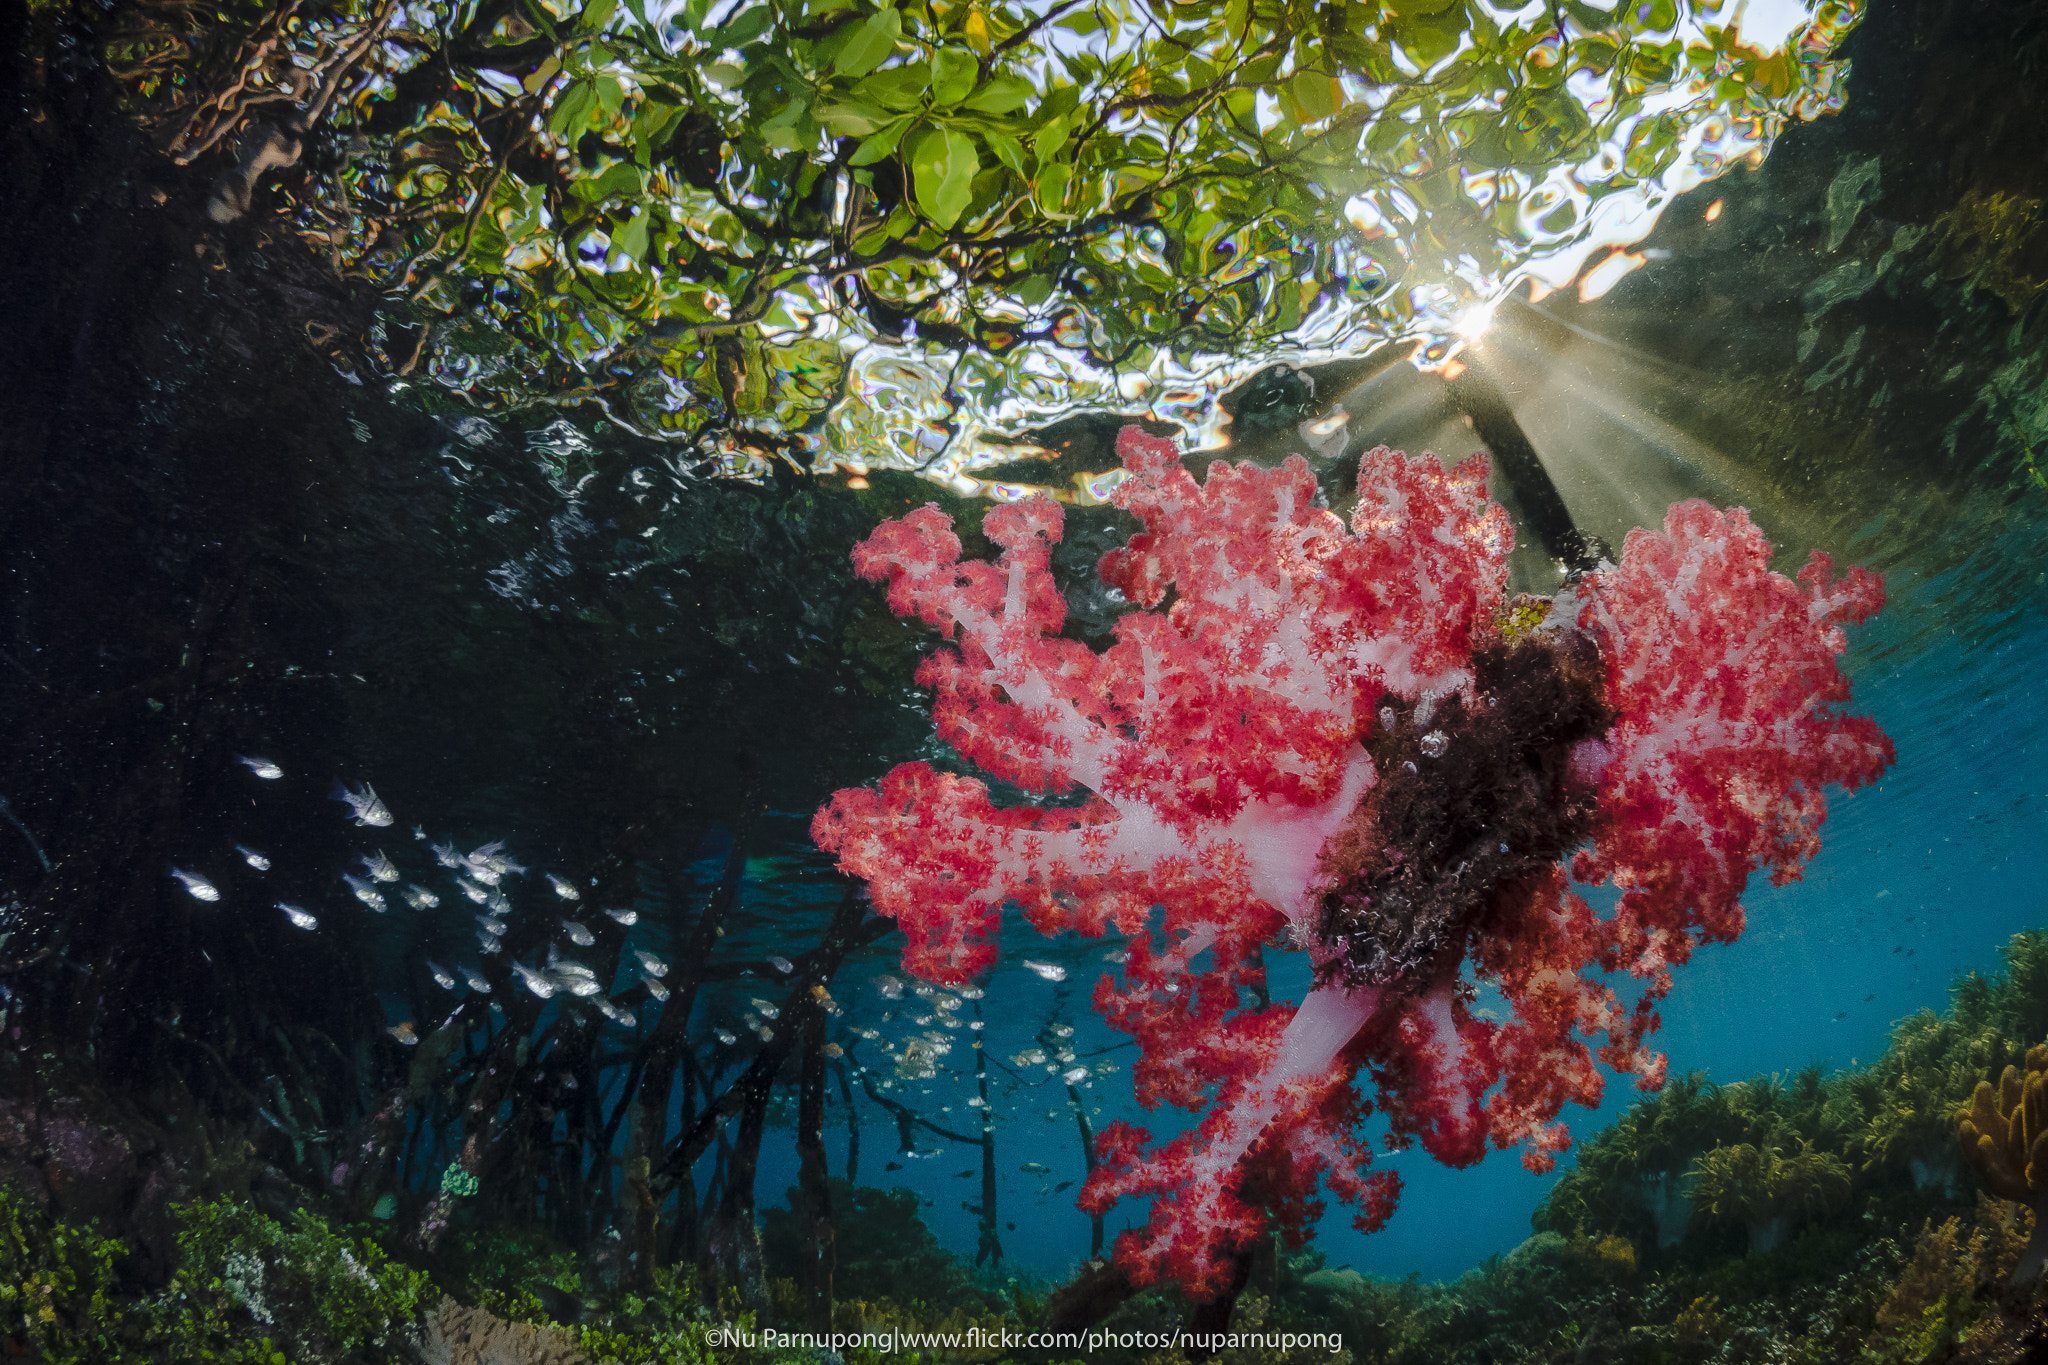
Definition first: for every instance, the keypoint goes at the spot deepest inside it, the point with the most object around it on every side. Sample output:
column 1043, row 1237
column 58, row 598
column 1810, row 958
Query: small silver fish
column 445, row 855
column 419, row 832
column 1034, row 1168
column 262, row 767
column 565, row 889
column 490, row 926
column 253, row 858
column 490, row 864
column 472, row 890
column 655, row 987
column 653, row 964
column 781, row 964
column 889, row 986
column 768, row 1010
column 622, row 1017
column 369, row 808
column 487, row 945
column 441, row 977
column 404, row 1034
column 568, row 1081
column 476, row 981
column 726, row 1037
column 1051, row 971
column 419, row 898
column 365, row 892
column 578, row 935
column 200, row 888
column 577, row 985
column 379, row 867
column 562, row 965
column 497, row 903
column 299, row 918
column 537, row 982
column 629, row 918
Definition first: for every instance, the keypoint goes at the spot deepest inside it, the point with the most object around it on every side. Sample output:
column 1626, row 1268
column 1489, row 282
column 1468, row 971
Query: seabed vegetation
column 1820, row 1217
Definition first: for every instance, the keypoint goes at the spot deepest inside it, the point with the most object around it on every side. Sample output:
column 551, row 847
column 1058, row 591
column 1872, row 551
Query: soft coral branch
column 1723, row 676
column 1335, row 736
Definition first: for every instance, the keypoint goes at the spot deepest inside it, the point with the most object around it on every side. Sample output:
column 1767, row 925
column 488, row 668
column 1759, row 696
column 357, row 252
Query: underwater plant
column 1763, row 1186
column 2004, row 1134
column 1350, row 740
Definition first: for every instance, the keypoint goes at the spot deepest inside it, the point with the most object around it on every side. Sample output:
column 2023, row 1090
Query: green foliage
column 689, row 210
column 510, row 1272
column 663, row 1327
column 1940, row 1293
column 245, row 1279
column 521, row 1275
column 55, row 1285
column 248, row 1291
column 1889, row 1121
column 1760, row 1185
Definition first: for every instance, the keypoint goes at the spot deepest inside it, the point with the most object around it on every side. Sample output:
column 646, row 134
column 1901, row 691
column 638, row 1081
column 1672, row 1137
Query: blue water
column 1922, row 877
column 1944, row 861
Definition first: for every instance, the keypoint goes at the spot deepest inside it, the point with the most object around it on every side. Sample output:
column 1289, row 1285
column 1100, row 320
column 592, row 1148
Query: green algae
column 248, row 1290
column 56, row 1284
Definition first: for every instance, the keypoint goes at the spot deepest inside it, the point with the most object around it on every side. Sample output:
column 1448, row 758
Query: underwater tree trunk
column 1214, row 1316
column 1088, row 1162
column 507, row 1071
column 852, row 928
column 686, row 1238
column 852, row 1122
column 512, row 1067
column 1476, row 393
column 908, row 1121
column 990, row 1245
column 733, row 1251
column 1099, row 1289
column 813, row 1174
column 369, row 1161
column 663, row 1052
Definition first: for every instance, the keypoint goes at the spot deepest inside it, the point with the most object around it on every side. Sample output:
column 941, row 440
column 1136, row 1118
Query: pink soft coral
column 1348, row 740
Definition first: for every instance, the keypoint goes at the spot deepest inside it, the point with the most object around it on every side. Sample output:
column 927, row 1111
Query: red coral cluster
column 1226, row 745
